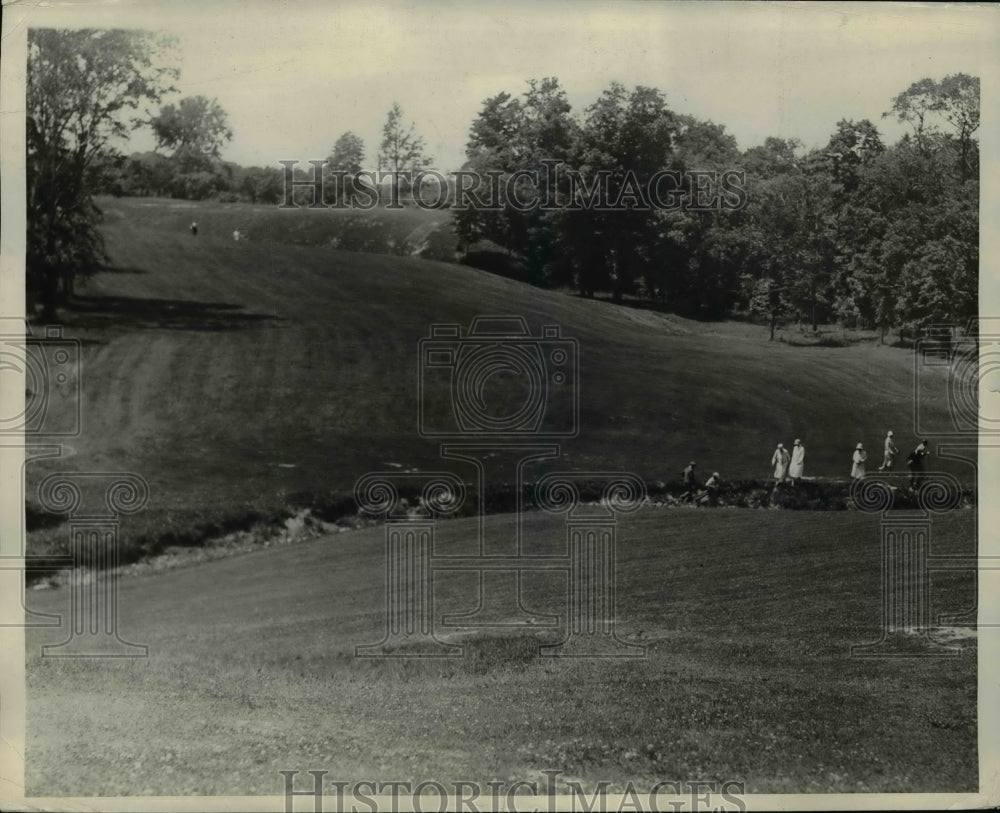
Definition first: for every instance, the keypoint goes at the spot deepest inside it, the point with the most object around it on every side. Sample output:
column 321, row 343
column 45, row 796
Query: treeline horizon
column 856, row 232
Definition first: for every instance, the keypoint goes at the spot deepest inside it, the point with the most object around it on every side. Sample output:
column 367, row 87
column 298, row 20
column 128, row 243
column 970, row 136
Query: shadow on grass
column 172, row 314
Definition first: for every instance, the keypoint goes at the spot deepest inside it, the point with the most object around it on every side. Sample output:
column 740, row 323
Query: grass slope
column 232, row 375
column 208, row 363
column 749, row 617
column 407, row 230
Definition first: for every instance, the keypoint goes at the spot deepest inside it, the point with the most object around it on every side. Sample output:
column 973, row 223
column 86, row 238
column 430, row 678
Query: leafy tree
column 853, row 145
column 496, row 131
column 520, row 139
column 262, row 185
column 148, row 173
column 84, row 90
column 793, row 217
column 767, row 298
column 195, row 129
column 347, row 155
column 401, row 149
column 953, row 101
column 775, row 156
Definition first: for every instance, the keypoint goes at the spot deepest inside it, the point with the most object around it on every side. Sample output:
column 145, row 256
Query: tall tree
column 953, row 101
column 854, row 144
column 517, row 139
column 85, row 89
column 626, row 137
column 401, row 149
column 347, row 155
column 195, row 129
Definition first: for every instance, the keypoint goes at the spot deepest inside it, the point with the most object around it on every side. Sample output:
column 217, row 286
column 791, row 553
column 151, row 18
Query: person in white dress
column 780, row 460
column 858, row 467
column 798, row 463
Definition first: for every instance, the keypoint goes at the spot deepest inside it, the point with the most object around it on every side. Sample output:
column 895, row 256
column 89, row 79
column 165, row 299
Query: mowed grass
column 234, row 376
column 402, row 231
column 748, row 616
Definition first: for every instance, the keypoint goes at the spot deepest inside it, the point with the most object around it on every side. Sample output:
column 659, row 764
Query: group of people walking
column 789, row 466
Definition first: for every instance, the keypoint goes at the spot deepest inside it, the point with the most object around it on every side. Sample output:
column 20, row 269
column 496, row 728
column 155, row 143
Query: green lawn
column 238, row 378
column 235, row 376
column 748, row 616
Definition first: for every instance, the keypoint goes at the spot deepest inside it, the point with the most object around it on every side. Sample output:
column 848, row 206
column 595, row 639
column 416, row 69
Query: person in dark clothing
column 915, row 463
column 690, row 483
column 194, row 229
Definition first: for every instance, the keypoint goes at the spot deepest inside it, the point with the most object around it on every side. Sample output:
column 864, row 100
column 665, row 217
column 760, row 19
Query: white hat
column 860, row 446
column 889, row 434
column 797, row 442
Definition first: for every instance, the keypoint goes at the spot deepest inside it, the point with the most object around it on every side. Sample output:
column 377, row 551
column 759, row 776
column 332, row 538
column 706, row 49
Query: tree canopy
column 854, row 231
column 195, row 129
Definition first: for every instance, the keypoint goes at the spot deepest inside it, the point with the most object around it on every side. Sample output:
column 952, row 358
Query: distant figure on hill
column 237, row 235
column 690, row 483
column 890, row 453
column 915, row 463
column 798, row 463
column 780, row 460
column 194, row 228
column 858, row 467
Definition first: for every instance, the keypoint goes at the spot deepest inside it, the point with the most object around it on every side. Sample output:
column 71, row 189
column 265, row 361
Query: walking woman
column 860, row 456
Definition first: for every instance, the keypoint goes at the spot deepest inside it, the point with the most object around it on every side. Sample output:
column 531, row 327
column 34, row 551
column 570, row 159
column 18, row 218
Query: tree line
column 856, row 232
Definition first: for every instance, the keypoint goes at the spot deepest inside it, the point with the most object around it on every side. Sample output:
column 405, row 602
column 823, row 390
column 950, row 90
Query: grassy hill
column 405, row 231
column 235, row 375
column 748, row 616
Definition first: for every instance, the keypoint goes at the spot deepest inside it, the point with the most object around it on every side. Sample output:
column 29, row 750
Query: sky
column 293, row 76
